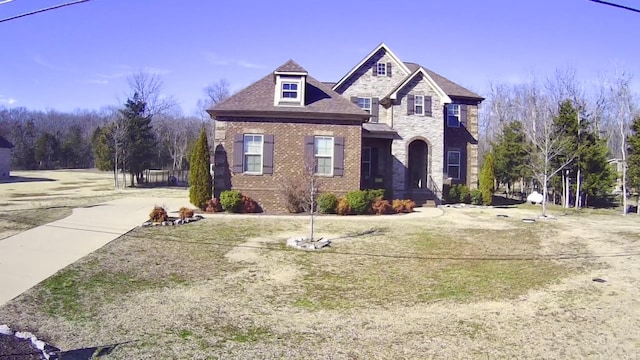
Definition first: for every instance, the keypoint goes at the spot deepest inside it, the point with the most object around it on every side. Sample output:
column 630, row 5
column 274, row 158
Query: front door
column 418, row 165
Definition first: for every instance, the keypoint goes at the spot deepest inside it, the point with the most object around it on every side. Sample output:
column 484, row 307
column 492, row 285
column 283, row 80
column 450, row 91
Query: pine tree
column 510, row 155
column 139, row 140
column 487, row 176
column 200, row 189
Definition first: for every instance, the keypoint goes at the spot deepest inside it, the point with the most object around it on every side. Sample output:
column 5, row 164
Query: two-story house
column 386, row 124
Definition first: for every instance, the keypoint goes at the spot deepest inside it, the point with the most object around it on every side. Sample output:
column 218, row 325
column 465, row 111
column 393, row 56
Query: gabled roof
column 290, row 67
column 449, row 87
column 4, row 143
column 321, row 102
column 367, row 58
column 420, row 71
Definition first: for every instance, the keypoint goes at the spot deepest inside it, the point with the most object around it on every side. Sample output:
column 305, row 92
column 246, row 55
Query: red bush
column 403, row 206
column 249, row 206
column 381, row 207
column 343, row 207
column 213, row 205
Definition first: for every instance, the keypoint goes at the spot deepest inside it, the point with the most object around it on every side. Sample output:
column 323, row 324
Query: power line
column 616, row 5
column 41, row 10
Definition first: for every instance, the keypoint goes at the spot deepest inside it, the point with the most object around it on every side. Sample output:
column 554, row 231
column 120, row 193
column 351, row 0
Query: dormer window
column 289, row 90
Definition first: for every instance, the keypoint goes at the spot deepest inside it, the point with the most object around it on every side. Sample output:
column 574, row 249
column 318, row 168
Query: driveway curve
column 32, row 256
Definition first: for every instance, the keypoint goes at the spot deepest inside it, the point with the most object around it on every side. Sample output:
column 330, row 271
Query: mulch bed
column 14, row 348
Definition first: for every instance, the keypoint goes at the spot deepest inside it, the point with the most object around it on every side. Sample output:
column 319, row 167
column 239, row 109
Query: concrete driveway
column 34, row 255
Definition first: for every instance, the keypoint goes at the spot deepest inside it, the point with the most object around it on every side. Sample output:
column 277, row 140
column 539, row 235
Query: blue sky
column 78, row 57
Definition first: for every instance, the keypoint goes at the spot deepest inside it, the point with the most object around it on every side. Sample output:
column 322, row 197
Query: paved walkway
column 34, row 255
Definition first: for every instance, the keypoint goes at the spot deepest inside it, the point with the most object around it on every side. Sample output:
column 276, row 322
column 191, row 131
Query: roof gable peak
column 378, row 48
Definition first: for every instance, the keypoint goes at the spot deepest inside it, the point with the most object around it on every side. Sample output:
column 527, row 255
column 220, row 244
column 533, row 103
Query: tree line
column 148, row 131
column 564, row 138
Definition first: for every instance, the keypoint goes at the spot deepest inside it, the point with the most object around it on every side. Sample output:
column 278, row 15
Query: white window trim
column 279, row 100
column 415, row 104
column 457, row 124
column 459, row 164
column 316, row 156
column 370, row 103
column 384, row 65
column 244, row 155
column 367, row 149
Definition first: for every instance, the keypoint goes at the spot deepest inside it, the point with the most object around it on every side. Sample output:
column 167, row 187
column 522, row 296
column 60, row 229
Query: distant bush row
column 361, row 202
column 460, row 193
column 233, row 201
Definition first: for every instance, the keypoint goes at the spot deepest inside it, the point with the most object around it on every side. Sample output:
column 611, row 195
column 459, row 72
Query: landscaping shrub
column 185, row 213
column 213, row 205
column 403, row 206
column 231, row 200
column 358, row 201
column 343, row 207
column 200, row 183
column 249, row 206
column 476, row 197
column 464, row 193
column 327, row 203
column 454, row 194
column 381, row 207
column 158, row 214
column 486, row 181
column 374, row 194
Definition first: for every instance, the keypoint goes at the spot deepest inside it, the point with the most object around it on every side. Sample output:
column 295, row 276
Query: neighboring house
column 5, row 158
column 386, row 124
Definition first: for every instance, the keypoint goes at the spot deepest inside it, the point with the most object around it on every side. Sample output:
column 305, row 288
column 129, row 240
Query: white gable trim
column 367, row 58
column 443, row 96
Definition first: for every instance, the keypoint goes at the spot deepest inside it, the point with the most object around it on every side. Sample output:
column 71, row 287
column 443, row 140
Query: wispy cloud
column 217, row 60
column 7, row 100
column 122, row 71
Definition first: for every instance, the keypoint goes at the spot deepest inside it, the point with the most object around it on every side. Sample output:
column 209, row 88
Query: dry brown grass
column 228, row 287
column 463, row 285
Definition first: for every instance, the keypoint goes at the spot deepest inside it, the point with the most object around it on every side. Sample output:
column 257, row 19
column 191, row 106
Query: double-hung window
column 365, row 104
column 253, row 145
column 453, row 115
column 323, row 155
column 453, row 164
column 290, row 90
column 418, row 105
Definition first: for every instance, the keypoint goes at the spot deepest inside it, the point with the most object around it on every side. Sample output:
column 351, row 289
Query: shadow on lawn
column 21, row 179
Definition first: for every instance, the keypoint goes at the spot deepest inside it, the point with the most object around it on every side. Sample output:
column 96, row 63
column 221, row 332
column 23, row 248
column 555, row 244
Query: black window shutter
column 238, row 153
column 309, row 158
column 338, row 156
column 427, row 106
column 375, row 69
column 389, row 69
column 410, row 104
column 267, row 153
column 354, row 99
column 374, row 109
column 463, row 115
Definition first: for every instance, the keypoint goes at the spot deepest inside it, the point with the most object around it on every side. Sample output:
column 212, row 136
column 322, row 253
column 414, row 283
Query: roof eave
column 288, row 115
column 445, row 98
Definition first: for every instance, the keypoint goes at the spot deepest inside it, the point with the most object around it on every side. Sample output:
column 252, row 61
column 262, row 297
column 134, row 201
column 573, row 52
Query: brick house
column 386, row 124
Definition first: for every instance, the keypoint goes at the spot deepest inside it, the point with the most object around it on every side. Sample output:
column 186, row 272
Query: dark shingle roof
column 257, row 99
column 4, row 143
column 449, row 87
column 290, row 66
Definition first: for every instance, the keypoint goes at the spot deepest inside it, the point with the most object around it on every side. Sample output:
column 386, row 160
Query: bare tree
column 622, row 111
column 150, row 89
column 537, row 111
